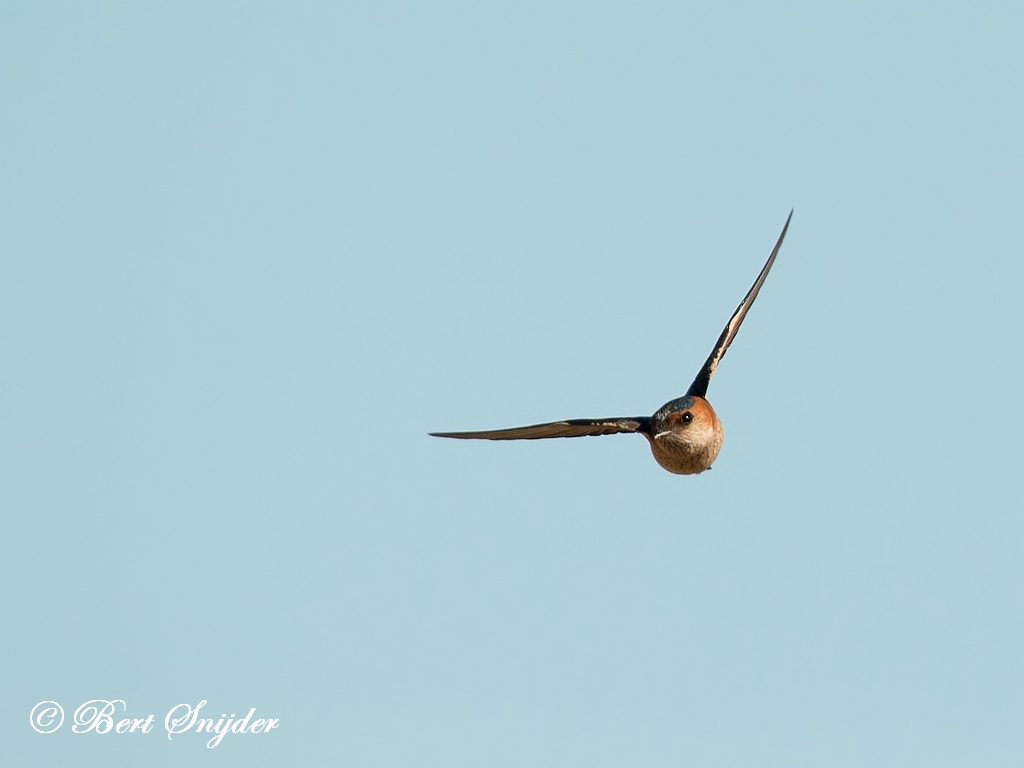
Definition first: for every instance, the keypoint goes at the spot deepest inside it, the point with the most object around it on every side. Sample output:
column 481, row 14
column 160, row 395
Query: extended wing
column 700, row 384
column 573, row 428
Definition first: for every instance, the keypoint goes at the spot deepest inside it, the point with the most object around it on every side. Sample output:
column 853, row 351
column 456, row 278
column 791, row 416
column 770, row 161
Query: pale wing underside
column 700, row 384
column 573, row 428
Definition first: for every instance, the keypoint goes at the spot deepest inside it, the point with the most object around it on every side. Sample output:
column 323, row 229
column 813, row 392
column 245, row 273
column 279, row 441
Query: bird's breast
column 687, row 454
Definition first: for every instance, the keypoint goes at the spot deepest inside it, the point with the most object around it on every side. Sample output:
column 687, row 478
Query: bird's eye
column 687, row 417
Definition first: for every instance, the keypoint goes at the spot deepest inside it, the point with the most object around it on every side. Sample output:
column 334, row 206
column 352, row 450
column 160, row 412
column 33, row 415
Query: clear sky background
column 251, row 255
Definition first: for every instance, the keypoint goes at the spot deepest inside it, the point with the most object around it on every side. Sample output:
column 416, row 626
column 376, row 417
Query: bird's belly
column 683, row 457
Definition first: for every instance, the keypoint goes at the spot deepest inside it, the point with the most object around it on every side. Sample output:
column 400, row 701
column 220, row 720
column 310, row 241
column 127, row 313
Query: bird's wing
column 573, row 428
column 700, row 384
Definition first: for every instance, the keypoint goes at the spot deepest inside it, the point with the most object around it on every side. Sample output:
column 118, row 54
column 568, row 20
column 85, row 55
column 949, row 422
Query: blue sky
column 253, row 254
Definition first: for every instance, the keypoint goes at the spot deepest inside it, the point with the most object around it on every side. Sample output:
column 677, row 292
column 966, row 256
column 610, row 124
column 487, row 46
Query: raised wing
column 573, row 428
column 700, row 384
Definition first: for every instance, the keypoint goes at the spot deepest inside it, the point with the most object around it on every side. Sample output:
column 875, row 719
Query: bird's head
column 689, row 419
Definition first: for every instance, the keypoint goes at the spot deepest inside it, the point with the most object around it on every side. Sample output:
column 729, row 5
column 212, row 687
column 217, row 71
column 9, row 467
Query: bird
column 685, row 434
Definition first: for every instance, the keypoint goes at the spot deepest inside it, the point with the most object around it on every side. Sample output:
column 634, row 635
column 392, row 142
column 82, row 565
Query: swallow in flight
column 685, row 434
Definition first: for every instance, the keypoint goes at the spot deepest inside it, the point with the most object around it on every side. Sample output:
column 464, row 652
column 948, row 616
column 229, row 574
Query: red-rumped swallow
column 685, row 434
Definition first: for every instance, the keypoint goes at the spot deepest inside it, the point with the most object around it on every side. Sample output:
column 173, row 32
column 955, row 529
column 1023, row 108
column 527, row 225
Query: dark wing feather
column 700, row 384
column 573, row 428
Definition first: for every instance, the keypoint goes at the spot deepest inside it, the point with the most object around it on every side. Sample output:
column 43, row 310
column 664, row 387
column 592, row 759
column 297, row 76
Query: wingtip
column 782, row 235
